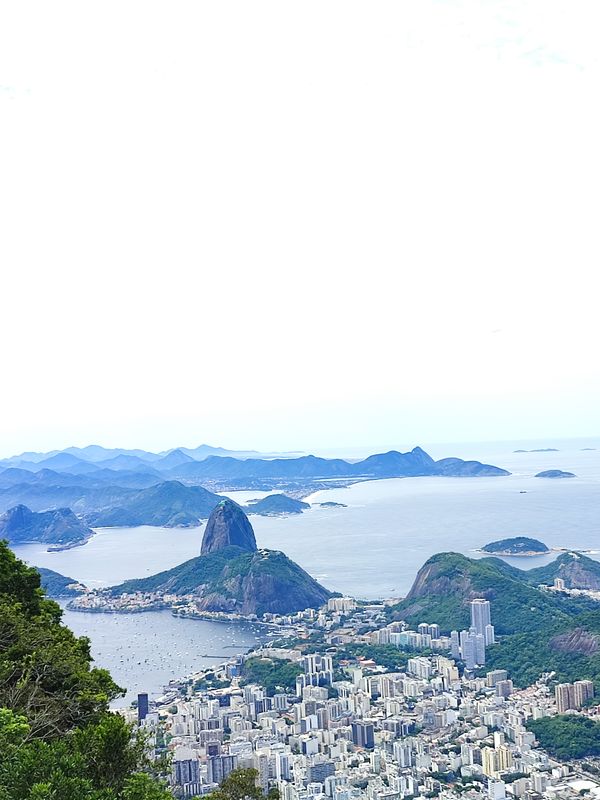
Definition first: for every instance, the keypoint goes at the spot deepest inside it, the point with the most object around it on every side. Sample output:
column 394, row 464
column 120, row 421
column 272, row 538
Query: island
column 555, row 473
column 539, row 450
column 331, row 504
column 516, row 546
column 275, row 505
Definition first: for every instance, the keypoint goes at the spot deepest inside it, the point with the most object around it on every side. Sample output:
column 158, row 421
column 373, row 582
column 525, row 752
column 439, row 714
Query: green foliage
column 57, row 739
column 241, row 785
column 275, row 674
column 567, row 735
column 227, row 572
column 386, row 655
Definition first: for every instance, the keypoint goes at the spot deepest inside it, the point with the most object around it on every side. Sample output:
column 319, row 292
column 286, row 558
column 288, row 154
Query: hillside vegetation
column 539, row 630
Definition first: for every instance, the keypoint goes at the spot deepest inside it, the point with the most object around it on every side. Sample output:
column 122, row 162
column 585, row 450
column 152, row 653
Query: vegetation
column 567, row 735
column 387, row 655
column 275, row 674
column 517, row 545
column 57, row 737
column 256, row 582
column 57, row 585
column 241, row 785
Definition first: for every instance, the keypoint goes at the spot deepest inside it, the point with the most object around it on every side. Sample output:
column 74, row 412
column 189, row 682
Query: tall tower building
column 480, row 615
column 564, row 695
column 582, row 691
column 454, row 644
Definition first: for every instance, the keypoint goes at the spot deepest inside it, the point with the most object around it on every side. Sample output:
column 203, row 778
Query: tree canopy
column 58, row 739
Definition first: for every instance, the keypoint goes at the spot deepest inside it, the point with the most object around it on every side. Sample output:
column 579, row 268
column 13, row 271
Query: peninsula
column 231, row 576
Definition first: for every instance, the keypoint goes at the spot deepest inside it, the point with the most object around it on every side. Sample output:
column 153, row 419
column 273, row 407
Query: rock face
column 576, row 570
column 576, row 641
column 227, row 526
column 59, row 527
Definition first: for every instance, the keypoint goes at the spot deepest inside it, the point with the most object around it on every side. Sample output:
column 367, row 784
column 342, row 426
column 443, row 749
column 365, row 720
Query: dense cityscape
column 323, row 724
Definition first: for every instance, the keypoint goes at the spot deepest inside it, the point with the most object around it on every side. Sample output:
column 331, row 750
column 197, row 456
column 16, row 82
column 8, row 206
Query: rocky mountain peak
column 227, row 526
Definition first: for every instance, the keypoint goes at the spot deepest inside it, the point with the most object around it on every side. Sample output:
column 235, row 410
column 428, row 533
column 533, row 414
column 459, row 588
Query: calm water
column 372, row 548
column 145, row 651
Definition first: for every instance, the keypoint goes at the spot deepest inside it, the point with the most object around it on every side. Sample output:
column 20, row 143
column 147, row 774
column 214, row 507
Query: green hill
column 236, row 580
column 517, row 546
column 539, row 630
column 57, row 585
column 577, row 571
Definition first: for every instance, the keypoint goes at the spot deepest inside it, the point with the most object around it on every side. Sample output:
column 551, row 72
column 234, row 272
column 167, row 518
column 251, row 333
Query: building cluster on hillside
column 427, row 730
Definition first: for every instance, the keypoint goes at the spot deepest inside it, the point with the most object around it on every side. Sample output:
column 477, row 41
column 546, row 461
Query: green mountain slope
column 236, row 580
column 539, row 630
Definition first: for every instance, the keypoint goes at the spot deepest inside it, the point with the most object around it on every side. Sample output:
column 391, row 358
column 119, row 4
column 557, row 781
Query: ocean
column 372, row 548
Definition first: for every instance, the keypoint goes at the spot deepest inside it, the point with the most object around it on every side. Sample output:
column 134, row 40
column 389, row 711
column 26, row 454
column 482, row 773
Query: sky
column 298, row 226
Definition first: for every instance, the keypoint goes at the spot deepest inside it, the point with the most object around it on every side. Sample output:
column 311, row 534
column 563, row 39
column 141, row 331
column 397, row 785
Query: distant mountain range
column 216, row 463
column 128, row 488
column 95, row 454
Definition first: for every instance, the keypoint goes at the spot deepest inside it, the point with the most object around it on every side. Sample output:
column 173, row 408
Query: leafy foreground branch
column 58, row 740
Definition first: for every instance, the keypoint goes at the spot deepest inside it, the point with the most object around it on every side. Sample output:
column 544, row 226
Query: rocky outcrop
column 227, row 526
column 577, row 641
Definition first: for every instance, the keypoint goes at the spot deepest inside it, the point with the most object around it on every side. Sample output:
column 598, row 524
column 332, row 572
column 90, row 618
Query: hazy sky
column 298, row 225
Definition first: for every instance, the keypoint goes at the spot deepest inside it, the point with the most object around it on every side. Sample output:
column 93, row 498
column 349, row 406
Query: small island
column 539, row 450
column 555, row 473
column 275, row 505
column 517, row 546
column 331, row 504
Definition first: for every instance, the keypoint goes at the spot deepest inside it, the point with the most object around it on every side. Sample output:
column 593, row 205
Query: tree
column 241, row 785
column 58, row 740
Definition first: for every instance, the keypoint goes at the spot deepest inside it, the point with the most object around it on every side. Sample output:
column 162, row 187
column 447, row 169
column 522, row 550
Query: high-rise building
column 564, row 696
column 454, row 644
column 582, row 691
column 489, row 761
column 490, row 635
column 480, row 615
column 186, row 769
column 504, row 688
column 319, row 770
column 363, row 734
column 142, row 707
column 219, row 767
column 495, row 676
column 479, row 649
column 403, row 754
